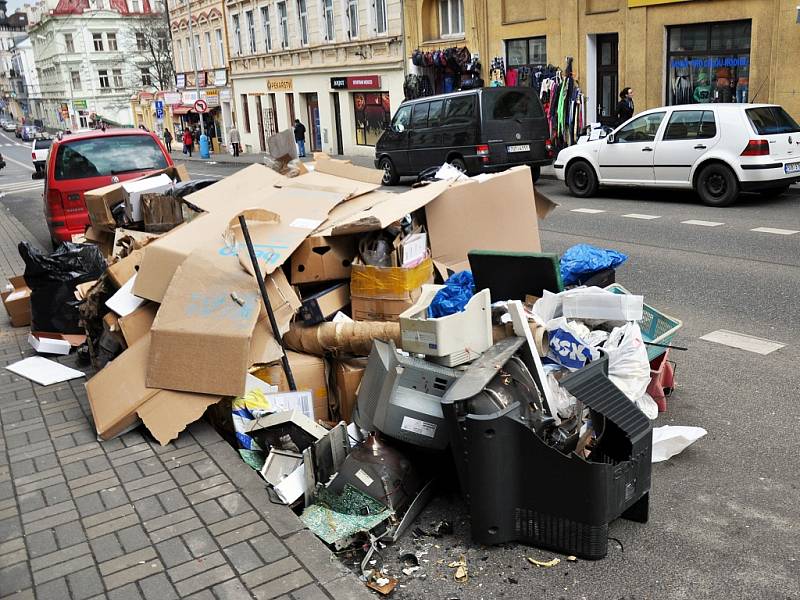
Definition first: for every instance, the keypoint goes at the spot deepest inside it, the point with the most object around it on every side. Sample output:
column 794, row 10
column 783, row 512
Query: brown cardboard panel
column 125, row 268
column 18, row 302
column 326, row 182
column 218, row 195
column 309, row 374
column 323, row 259
column 300, row 211
column 347, row 170
column 380, row 309
column 102, row 238
column 497, row 214
column 264, row 348
column 138, row 324
column 325, row 304
column 201, row 334
column 167, row 413
column 348, row 375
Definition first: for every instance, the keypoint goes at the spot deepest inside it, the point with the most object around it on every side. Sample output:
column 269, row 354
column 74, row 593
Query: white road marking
column 12, row 188
column 643, row 217
column 775, row 231
column 16, row 162
column 742, row 341
column 588, row 211
column 702, row 223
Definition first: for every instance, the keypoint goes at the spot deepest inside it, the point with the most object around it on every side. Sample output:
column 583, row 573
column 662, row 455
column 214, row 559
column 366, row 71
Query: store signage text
column 180, row 80
column 719, row 61
column 79, row 104
column 361, row 82
column 283, row 84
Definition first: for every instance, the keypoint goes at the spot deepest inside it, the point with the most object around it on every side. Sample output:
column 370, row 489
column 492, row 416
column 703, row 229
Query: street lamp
column 203, row 137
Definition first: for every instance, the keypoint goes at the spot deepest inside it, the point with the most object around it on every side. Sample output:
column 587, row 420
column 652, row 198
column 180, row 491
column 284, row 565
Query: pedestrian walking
column 188, row 142
column 233, row 134
column 625, row 105
column 168, row 140
column 300, row 137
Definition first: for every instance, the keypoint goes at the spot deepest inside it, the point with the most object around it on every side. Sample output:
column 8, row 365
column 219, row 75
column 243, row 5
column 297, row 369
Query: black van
column 476, row 131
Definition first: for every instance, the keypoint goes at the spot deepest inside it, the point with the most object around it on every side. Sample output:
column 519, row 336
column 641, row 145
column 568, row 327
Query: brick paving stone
column 41, row 543
column 55, row 558
column 126, row 561
column 114, row 497
column 69, row 534
column 173, row 530
column 173, row 552
column 348, row 588
column 255, row 529
column 173, row 500
column 287, row 583
column 85, row 584
column 148, row 508
column 270, row 572
column 63, row 568
column 310, row 592
column 210, row 512
column 232, row 590
column 169, row 519
column 132, row 574
column 111, row 526
column 243, row 557
column 106, row 547
column 204, row 580
column 128, row 592
column 200, row 542
column 133, row 538
column 157, row 587
column 235, row 504
column 50, row 522
column 195, row 567
column 57, row 588
column 269, row 548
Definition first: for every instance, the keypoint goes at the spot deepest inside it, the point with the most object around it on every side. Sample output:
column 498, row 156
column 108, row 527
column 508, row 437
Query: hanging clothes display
column 441, row 71
column 497, row 73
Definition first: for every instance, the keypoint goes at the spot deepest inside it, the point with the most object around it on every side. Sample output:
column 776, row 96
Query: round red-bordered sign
column 200, row 106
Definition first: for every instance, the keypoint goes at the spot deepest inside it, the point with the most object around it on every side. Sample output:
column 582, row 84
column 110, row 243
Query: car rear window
column 512, row 104
column 769, row 120
column 41, row 144
column 108, row 155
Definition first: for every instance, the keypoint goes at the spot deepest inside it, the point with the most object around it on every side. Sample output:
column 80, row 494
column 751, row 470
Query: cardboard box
column 132, row 193
column 139, row 323
column 161, row 212
column 324, row 304
column 125, row 268
column 381, row 309
column 389, row 283
column 18, row 302
column 202, row 332
column 45, row 343
column 310, row 373
column 323, row 259
column 347, row 374
column 100, row 201
column 102, row 238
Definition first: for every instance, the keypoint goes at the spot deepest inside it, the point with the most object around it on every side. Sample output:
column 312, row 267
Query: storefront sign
column 220, row 77
column 279, row 84
column 172, row 98
column 225, row 96
column 180, row 80
column 635, row 3
column 711, row 62
column 189, row 97
column 79, row 104
column 361, row 82
column 201, row 79
column 211, row 96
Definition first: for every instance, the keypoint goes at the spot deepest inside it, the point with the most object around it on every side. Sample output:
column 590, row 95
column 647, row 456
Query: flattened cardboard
column 323, row 259
column 347, row 170
column 202, row 332
column 18, row 302
column 323, row 305
column 217, row 195
column 139, row 238
column 101, row 238
column 381, row 309
column 300, row 211
column 347, row 374
column 125, row 268
column 498, row 213
column 138, row 324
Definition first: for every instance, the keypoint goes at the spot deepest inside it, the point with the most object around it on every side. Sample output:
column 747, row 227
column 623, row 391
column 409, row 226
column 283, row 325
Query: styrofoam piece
column 520, row 323
column 133, row 191
column 602, row 305
column 123, row 302
column 451, row 340
column 43, row 370
column 48, row 345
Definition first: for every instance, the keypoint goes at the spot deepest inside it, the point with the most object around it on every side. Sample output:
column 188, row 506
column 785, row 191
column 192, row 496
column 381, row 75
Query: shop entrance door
column 337, row 119
column 290, row 109
column 607, row 78
column 261, row 136
column 314, row 134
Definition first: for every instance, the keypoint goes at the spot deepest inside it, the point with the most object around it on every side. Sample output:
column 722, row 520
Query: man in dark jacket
column 625, row 106
column 300, row 137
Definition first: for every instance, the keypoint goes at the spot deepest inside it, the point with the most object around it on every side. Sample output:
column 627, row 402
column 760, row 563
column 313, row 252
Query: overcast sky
column 15, row 4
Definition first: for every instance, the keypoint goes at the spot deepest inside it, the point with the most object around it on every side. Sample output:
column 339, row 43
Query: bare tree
column 154, row 50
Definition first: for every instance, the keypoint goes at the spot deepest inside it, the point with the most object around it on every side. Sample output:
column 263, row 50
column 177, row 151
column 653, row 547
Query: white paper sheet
column 292, row 486
column 670, row 440
column 43, row 370
column 124, row 302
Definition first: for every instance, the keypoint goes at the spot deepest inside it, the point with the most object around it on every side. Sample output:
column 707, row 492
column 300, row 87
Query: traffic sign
column 159, row 109
column 200, row 105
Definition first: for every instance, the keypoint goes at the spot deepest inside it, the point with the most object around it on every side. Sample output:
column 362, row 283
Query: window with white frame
column 327, row 18
column 451, row 17
column 283, row 19
column 208, row 49
column 147, row 79
column 302, row 15
column 97, row 40
column 179, row 54
column 112, row 42
column 379, row 18
column 104, row 82
column 69, row 42
column 75, row 77
column 251, row 31
column 220, row 46
column 237, row 35
column 117, row 74
column 198, row 52
column 141, row 41
column 189, row 58
column 266, row 28
column 351, row 15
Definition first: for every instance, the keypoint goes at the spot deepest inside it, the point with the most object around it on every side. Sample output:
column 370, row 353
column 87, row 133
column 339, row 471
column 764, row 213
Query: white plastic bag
column 648, row 406
column 562, row 403
column 670, row 440
column 567, row 346
column 628, row 365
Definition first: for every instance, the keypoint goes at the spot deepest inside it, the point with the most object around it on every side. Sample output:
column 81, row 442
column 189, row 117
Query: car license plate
column 791, row 167
column 519, row 148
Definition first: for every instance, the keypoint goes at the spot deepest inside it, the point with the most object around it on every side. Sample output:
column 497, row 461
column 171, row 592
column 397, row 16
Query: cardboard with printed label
column 310, row 373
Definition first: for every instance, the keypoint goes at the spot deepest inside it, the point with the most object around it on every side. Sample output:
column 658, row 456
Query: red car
column 88, row 160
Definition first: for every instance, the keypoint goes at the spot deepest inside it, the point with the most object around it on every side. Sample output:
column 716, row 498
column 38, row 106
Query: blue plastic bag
column 583, row 259
column 454, row 296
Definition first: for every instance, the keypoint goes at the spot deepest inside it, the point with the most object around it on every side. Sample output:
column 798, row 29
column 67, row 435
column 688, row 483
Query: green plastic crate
column 656, row 326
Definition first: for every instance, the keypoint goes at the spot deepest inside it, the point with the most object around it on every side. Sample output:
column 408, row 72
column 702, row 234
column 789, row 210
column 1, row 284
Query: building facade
column 12, row 30
column 203, row 47
column 668, row 51
column 90, row 56
column 336, row 65
column 28, row 100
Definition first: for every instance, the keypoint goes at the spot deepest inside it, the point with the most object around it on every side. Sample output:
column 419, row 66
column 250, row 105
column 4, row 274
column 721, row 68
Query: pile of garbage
column 349, row 341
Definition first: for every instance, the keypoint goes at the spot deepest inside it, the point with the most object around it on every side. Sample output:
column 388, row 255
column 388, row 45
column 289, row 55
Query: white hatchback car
column 716, row 149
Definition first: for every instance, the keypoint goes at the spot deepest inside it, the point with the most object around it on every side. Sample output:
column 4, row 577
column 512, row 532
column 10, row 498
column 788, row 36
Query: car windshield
column 42, row 144
column 107, row 155
column 512, row 104
column 769, row 120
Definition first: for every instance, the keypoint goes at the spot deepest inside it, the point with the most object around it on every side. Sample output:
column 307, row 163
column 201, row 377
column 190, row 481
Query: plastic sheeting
column 458, row 290
column 582, row 259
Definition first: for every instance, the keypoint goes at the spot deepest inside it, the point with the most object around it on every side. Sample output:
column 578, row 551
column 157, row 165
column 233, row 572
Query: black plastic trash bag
column 52, row 279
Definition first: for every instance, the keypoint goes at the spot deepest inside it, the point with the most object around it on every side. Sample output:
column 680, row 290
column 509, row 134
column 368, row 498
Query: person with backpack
column 168, row 139
column 300, row 137
column 188, row 142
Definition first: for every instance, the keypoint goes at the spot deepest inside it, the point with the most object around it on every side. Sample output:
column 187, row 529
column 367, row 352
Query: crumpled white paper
column 670, row 440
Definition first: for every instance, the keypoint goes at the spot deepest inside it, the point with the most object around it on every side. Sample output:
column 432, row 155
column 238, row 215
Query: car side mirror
column 610, row 138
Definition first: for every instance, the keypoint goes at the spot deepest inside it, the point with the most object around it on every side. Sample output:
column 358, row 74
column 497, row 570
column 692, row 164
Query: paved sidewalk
column 128, row 518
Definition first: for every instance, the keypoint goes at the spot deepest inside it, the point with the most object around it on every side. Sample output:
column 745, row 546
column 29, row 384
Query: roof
column 719, row 106
column 76, row 7
column 94, row 133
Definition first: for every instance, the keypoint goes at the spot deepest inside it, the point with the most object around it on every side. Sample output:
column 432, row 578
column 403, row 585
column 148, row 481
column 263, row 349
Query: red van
column 87, row 160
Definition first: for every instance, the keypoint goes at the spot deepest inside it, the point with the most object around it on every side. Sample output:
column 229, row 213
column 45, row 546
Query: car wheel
column 717, row 185
column 536, row 172
column 390, row 176
column 581, row 179
column 459, row 164
column 774, row 192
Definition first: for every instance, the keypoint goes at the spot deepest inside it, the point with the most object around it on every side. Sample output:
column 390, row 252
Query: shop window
column 245, row 113
column 372, row 113
column 531, row 52
column 327, row 10
column 451, row 17
column 379, row 16
column 708, row 62
column 283, row 19
column 691, row 125
column 302, row 15
column 69, row 42
column 643, row 129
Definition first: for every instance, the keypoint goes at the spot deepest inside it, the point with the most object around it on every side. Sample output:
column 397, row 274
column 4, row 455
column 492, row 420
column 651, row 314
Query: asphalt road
column 724, row 520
